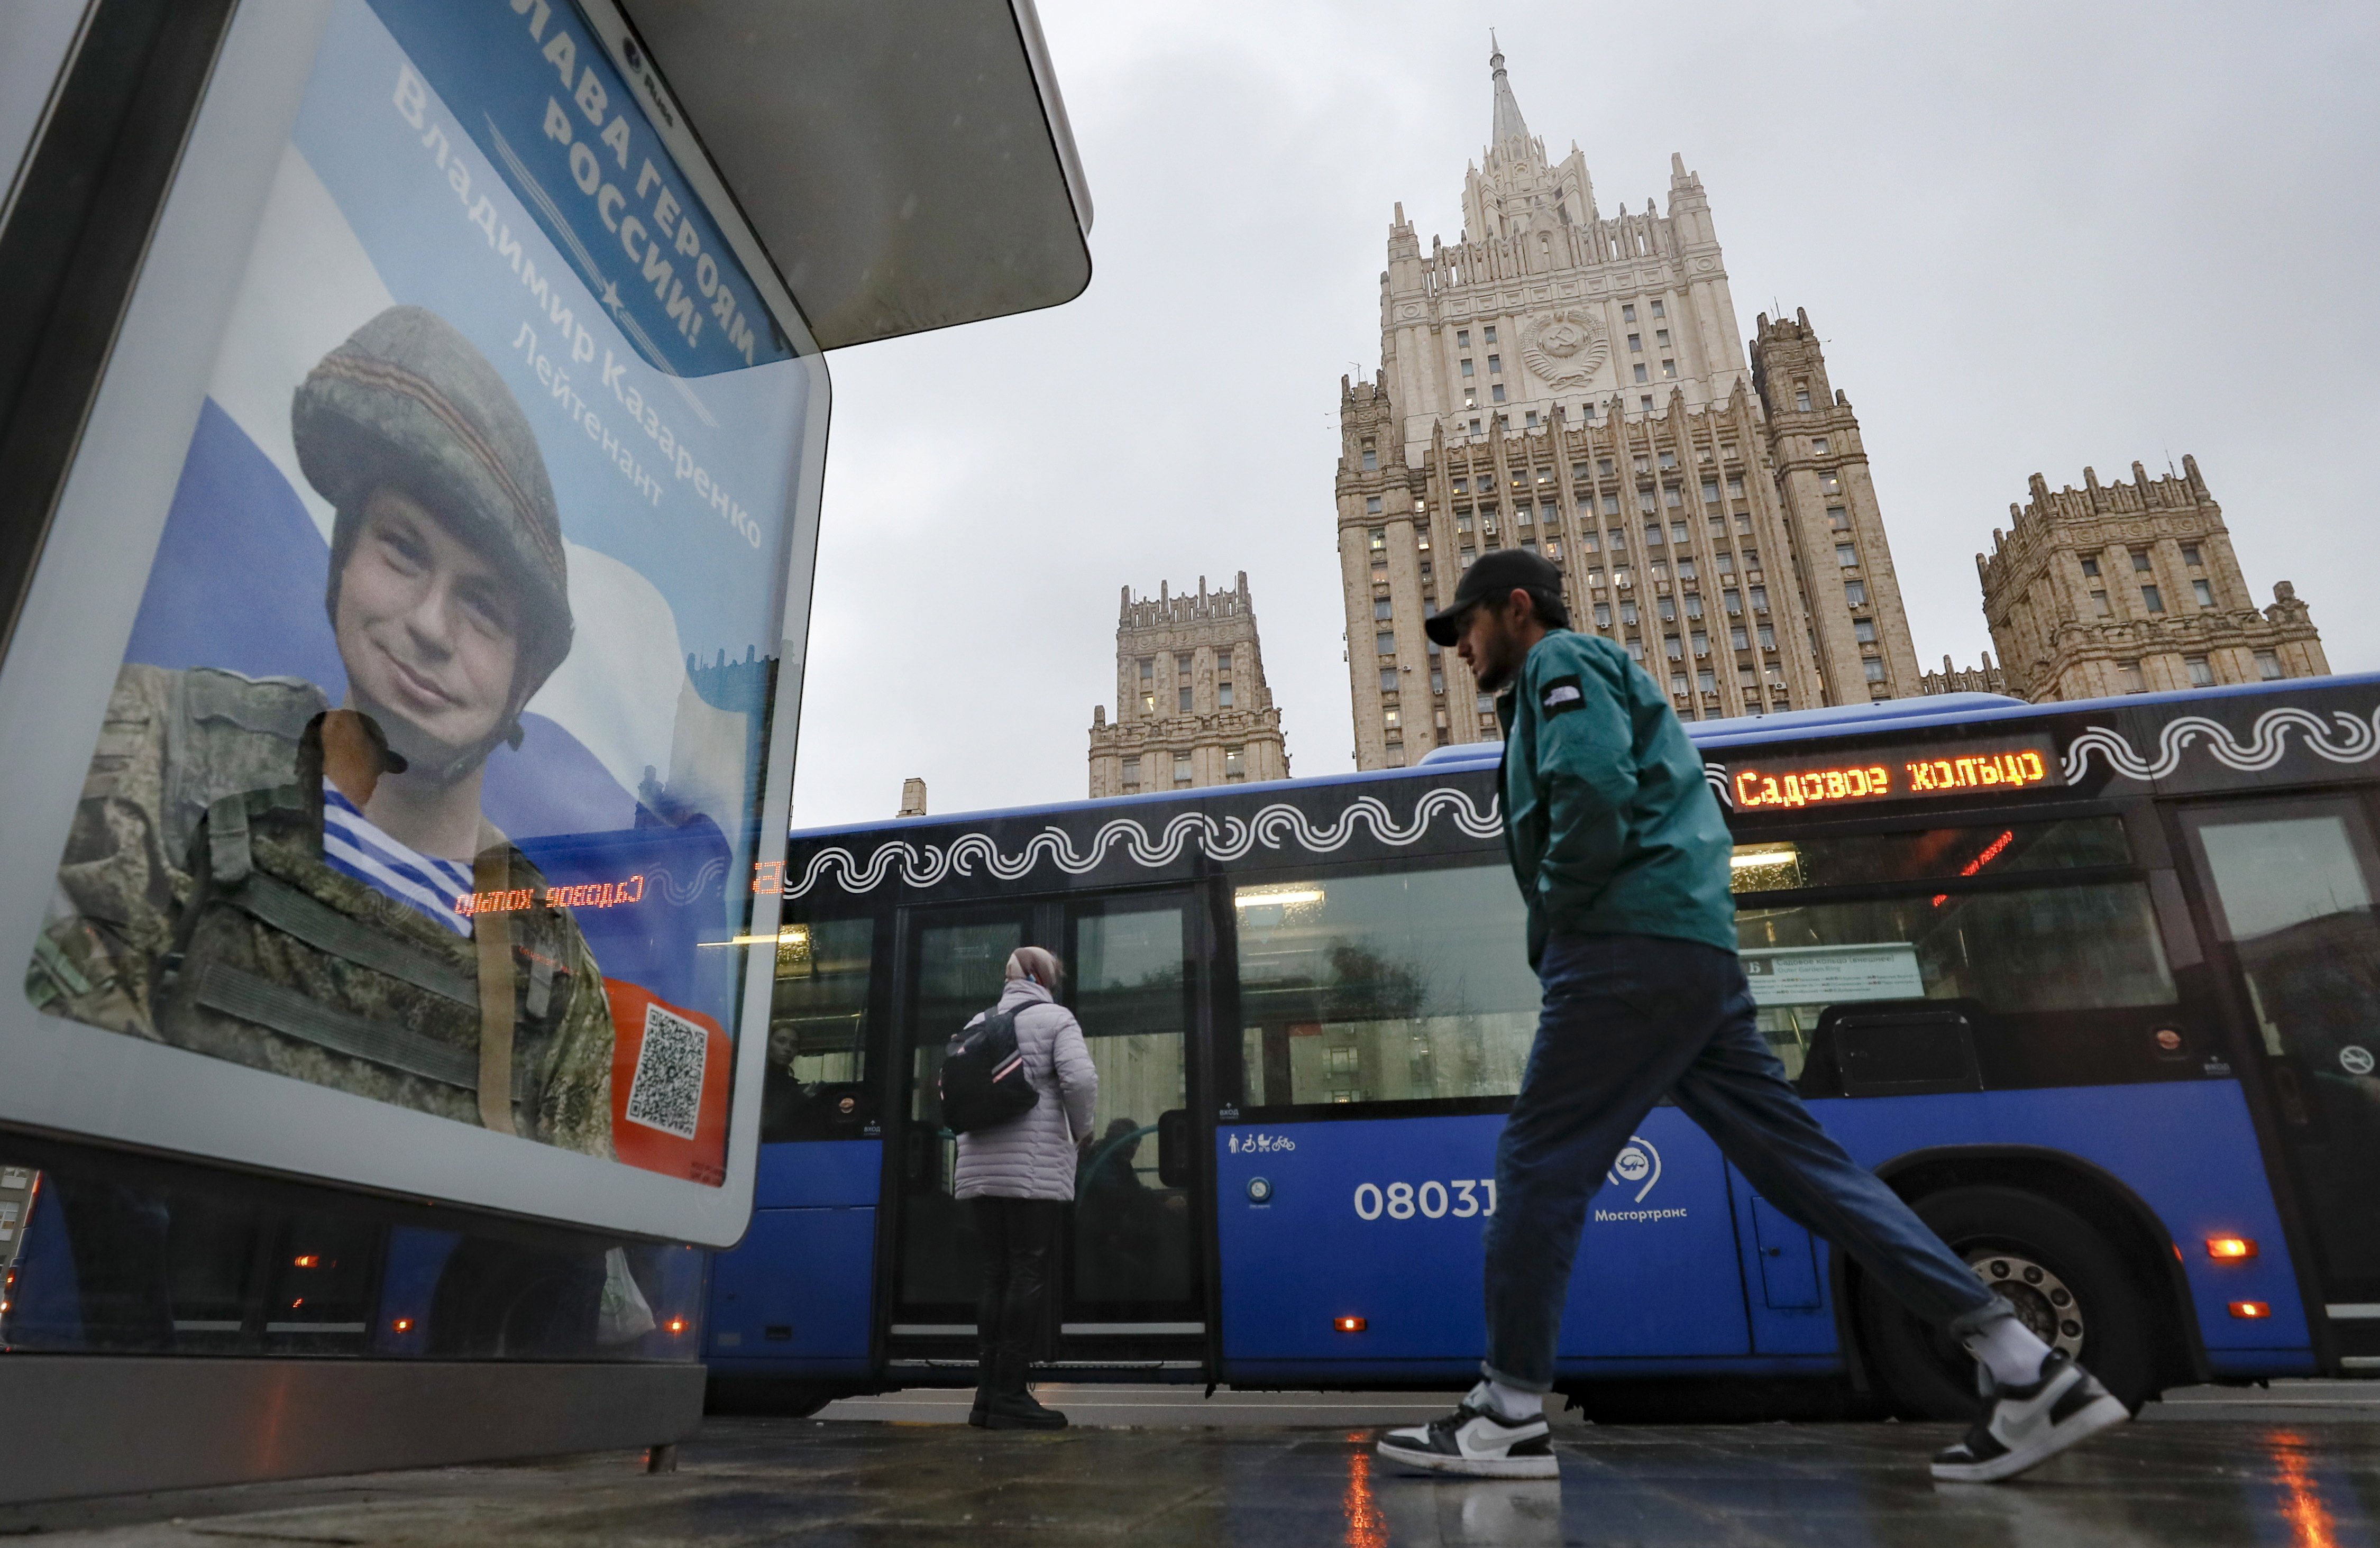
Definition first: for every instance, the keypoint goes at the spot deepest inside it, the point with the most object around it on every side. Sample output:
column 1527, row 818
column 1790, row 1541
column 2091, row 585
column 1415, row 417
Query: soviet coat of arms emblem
column 1564, row 348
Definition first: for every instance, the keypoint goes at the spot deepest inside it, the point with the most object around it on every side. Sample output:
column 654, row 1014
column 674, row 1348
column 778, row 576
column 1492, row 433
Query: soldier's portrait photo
column 262, row 874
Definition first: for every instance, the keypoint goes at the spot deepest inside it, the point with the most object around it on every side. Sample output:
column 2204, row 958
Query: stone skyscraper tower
column 1575, row 383
column 1192, row 708
column 2130, row 588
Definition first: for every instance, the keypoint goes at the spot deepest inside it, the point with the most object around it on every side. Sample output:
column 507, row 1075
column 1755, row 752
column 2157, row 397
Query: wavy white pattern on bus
column 1228, row 839
column 2267, row 743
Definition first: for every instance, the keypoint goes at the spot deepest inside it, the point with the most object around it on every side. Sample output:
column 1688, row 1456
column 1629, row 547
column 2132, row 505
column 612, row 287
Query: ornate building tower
column 1841, row 564
column 1192, row 708
column 2129, row 588
column 1574, row 383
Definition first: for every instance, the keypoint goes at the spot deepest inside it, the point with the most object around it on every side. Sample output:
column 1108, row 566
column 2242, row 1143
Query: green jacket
column 1609, row 826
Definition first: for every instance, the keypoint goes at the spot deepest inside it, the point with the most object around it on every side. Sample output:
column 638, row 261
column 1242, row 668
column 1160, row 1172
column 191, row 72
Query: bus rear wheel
column 2056, row 1269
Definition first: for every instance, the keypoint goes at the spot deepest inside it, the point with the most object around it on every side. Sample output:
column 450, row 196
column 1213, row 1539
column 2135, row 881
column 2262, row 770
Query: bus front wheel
column 2059, row 1272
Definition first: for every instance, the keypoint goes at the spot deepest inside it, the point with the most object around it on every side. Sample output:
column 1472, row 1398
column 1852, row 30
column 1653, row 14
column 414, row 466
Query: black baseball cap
column 1497, row 573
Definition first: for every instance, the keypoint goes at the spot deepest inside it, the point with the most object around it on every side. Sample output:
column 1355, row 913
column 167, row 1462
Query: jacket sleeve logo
column 1562, row 694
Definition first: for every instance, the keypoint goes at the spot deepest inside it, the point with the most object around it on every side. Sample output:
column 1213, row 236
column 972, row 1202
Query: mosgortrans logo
column 1637, row 1165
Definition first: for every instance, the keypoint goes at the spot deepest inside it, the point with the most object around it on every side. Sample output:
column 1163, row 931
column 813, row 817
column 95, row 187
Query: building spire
column 1509, row 124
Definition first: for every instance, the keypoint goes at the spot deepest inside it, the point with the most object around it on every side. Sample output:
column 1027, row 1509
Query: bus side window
column 818, row 1030
column 1407, row 987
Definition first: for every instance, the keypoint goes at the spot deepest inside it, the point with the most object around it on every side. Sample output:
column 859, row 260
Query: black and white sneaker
column 1476, row 1442
column 2025, row 1425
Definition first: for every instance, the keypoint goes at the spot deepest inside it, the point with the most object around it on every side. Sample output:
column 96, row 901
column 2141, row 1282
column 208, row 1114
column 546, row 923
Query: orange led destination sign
column 593, row 894
column 1965, row 769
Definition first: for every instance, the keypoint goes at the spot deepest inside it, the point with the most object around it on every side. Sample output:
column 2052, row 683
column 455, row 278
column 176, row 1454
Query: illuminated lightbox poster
column 435, row 756
column 1833, row 974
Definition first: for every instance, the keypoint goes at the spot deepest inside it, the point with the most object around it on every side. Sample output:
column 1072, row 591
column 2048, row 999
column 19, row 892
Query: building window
column 1182, row 700
column 1379, row 538
column 1752, row 559
column 1235, row 763
column 1636, row 650
column 1494, row 362
column 1652, row 535
column 1678, row 684
column 1371, row 504
column 1488, row 332
column 1707, row 681
column 1550, row 514
column 1132, row 773
column 1818, row 445
column 1673, row 497
column 2129, row 679
column 1371, row 457
column 2091, row 565
column 1646, row 401
column 2099, row 604
column 2190, row 554
column 1387, row 640
column 1710, row 491
column 1603, row 615
column 1635, row 343
column 1669, row 371
column 1496, row 391
column 1628, row 313
column 1603, row 466
column 1467, row 556
column 1802, row 399
column 1767, row 636
column 1181, row 769
column 2202, row 675
column 1222, row 695
column 1855, row 593
column 1685, row 569
column 1668, row 608
column 1735, row 486
column 1739, row 638
column 1389, row 717
column 1846, row 556
column 1839, row 518
column 1463, row 338
column 1874, row 666
column 1611, row 505
column 1747, row 678
column 1701, row 643
column 1661, row 337
column 1735, row 600
column 1182, row 663
column 1533, row 418
column 1863, row 630
column 1380, row 606
column 1628, row 613
column 1475, row 424
column 2204, row 591
column 2140, row 561
column 1643, row 376
column 2152, row 599
column 1553, row 548
column 1436, row 679
column 1388, row 679
column 1657, row 311
column 2268, row 666
column 1829, row 483
column 1726, row 563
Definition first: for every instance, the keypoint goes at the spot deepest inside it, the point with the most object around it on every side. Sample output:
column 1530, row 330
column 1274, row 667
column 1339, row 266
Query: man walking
column 1622, row 859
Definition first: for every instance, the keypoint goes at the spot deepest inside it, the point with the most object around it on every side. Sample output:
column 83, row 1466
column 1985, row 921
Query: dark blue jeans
column 1626, row 1021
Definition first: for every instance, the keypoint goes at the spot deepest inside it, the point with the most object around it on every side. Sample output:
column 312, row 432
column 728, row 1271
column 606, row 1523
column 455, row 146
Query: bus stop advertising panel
column 428, row 698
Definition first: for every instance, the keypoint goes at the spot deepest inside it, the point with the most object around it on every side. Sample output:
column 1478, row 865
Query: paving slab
column 2212, row 1467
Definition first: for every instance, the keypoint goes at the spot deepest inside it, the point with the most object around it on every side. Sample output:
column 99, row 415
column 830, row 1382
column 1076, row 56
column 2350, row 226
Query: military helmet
column 410, row 402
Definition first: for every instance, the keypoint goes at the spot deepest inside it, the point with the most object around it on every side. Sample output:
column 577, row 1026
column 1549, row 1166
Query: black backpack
column 982, row 1082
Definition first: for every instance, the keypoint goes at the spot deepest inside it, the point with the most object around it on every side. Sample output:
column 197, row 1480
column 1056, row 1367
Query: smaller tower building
column 1192, row 708
column 2130, row 588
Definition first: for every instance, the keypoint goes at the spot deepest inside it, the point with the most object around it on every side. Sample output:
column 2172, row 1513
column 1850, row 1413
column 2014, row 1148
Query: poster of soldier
column 432, row 770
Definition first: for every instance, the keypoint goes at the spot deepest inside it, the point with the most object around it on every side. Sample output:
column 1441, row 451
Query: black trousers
column 1019, row 1241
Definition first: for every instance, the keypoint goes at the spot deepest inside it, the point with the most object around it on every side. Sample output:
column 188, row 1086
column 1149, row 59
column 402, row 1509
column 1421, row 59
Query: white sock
column 2009, row 1350
column 1508, row 1401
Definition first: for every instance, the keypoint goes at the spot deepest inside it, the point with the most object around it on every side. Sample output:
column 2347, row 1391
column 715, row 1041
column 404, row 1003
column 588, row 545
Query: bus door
column 1131, row 1267
column 2291, row 891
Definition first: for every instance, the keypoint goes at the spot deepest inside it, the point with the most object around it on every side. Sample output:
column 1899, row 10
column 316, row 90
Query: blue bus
column 2094, row 986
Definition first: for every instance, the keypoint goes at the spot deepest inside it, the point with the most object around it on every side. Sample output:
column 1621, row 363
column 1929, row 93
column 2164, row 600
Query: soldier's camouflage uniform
column 195, row 908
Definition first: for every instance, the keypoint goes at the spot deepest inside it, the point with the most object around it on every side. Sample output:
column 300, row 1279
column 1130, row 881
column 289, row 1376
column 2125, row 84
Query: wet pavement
column 2299, row 1464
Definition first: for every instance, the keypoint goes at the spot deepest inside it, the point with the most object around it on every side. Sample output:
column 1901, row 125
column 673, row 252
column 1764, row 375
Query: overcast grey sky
column 2034, row 237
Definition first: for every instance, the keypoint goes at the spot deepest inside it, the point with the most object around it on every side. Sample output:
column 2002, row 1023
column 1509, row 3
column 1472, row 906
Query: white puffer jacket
column 1032, row 1155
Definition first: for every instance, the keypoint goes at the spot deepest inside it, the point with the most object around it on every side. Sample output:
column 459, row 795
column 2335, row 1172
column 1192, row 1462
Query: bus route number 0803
column 1402, row 1201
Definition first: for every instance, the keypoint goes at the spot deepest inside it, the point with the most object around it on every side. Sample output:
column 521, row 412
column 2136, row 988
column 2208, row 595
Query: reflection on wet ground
column 2216, row 1481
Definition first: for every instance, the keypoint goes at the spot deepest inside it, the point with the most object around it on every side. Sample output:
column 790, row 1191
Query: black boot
column 985, row 1380
column 1012, row 1408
